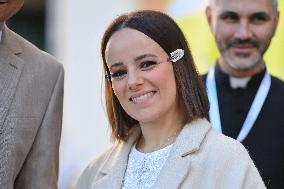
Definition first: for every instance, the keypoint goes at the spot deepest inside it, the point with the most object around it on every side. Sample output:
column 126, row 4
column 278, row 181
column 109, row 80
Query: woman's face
column 142, row 78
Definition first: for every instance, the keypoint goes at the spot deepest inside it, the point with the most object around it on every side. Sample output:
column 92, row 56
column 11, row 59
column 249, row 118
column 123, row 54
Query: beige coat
column 31, row 92
column 200, row 159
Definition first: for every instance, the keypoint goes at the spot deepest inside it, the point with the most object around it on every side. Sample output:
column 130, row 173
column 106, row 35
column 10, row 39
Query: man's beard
column 232, row 60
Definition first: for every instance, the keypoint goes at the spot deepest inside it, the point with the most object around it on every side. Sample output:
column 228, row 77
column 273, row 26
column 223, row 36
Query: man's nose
column 243, row 31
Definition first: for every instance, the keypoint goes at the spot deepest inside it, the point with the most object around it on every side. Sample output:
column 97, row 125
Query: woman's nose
column 134, row 80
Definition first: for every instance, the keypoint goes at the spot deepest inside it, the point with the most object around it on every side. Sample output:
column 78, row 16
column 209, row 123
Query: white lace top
column 144, row 168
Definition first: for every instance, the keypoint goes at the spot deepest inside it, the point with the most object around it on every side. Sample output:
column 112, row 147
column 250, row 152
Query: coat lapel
column 112, row 171
column 173, row 172
column 178, row 165
column 11, row 67
column 10, row 70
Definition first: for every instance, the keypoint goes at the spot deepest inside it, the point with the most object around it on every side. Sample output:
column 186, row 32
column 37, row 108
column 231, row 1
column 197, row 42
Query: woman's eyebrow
column 117, row 64
column 144, row 56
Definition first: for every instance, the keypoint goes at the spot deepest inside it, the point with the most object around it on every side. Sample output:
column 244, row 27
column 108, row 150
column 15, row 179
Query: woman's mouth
column 140, row 99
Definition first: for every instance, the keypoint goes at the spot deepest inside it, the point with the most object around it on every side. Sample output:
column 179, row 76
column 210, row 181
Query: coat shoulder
column 225, row 144
column 32, row 55
column 90, row 173
column 231, row 160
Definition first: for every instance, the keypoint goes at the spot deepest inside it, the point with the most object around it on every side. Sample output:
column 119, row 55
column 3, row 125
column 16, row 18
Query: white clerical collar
column 239, row 82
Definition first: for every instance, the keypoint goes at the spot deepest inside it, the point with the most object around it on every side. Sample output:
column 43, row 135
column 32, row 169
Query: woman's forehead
column 129, row 43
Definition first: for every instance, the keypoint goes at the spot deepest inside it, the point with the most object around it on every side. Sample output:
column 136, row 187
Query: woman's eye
column 118, row 74
column 148, row 65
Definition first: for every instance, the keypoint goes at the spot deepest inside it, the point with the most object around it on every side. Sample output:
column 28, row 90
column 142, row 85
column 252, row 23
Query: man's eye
column 258, row 19
column 118, row 74
column 148, row 65
column 229, row 17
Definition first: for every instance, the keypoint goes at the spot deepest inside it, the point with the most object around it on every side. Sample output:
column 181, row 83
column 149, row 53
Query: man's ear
column 276, row 23
column 208, row 13
column 277, row 18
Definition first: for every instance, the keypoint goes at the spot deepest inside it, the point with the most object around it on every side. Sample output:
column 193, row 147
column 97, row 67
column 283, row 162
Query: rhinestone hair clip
column 176, row 55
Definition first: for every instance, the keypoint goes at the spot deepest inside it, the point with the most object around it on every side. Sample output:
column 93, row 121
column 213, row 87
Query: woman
column 156, row 106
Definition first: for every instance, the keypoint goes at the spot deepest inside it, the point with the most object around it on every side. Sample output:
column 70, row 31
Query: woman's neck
column 160, row 133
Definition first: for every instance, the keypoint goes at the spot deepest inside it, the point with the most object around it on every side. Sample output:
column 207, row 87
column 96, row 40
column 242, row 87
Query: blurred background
column 71, row 31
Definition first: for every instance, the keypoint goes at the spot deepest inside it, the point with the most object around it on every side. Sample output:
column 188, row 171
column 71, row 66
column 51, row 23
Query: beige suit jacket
column 31, row 92
column 200, row 159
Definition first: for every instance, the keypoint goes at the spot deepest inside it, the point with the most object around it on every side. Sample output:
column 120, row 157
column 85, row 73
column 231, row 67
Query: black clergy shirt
column 265, row 141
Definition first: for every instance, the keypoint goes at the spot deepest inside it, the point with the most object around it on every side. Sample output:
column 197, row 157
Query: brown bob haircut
column 164, row 31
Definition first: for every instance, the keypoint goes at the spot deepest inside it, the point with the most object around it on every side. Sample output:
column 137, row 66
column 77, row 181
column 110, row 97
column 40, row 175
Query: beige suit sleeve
column 40, row 169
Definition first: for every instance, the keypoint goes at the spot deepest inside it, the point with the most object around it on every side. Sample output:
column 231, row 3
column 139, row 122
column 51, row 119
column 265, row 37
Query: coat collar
column 176, row 168
column 9, row 41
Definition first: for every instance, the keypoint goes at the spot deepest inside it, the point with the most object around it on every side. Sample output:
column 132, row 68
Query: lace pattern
column 144, row 168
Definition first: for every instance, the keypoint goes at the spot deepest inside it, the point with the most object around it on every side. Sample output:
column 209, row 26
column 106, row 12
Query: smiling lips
column 243, row 50
column 140, row 99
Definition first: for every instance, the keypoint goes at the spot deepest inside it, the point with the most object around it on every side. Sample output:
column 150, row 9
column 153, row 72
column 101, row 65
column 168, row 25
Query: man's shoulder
column 31, row 54
column 277, row 80
column 277, row 84
column 204, row 75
